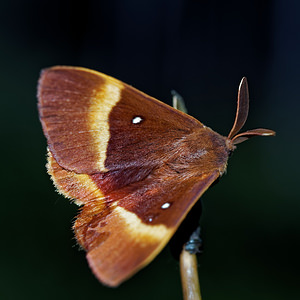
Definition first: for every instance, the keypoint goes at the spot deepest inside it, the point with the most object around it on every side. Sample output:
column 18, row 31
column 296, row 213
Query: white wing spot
column 137, row 120
column 165, row 205
column 150, row 219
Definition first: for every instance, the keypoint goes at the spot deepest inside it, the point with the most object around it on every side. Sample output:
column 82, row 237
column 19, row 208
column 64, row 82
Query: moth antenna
column 250, row 133
column 242, row 108
column 241, row 117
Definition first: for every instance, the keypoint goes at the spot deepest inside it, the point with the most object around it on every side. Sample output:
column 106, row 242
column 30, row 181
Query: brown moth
column 134, row 164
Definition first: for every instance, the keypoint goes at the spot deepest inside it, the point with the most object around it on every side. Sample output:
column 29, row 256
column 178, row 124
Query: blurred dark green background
column 250, row 221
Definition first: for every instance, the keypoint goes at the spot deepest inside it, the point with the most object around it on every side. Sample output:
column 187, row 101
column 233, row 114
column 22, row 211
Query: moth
column 135, row 165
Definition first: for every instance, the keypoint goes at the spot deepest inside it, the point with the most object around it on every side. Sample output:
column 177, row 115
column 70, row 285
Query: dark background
column 250, row 221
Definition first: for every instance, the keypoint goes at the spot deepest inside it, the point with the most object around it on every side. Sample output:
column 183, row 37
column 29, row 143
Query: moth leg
column 194, row 244
column 178, row 102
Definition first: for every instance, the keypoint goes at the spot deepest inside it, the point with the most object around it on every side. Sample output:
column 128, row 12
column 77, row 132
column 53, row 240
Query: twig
column 189, row 268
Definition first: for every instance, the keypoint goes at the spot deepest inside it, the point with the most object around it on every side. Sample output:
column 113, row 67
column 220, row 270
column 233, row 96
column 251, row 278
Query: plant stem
column 189, row 276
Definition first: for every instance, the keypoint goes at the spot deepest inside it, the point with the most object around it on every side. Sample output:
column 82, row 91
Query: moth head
column 234, row 136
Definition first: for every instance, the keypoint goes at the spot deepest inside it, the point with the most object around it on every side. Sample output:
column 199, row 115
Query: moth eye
column 150, row 219
column 137, row 120
column 166, row 205
column 230, row 153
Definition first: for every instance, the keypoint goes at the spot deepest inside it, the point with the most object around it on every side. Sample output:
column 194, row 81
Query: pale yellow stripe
column 150, row 233
column 104, row 100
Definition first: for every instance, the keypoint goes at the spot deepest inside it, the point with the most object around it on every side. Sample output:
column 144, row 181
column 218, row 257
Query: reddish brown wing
column 120, row 243
column 125, row 229
column 137, row 165
column 88, row 119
